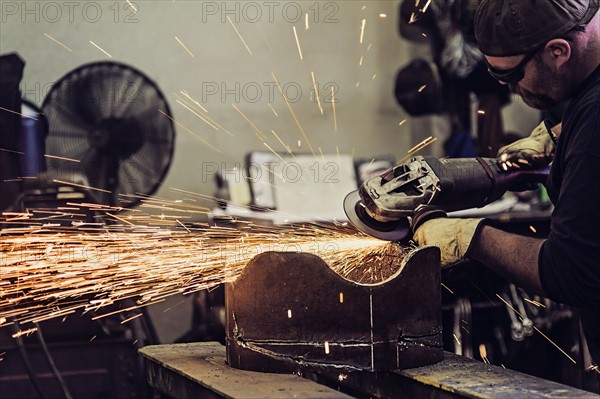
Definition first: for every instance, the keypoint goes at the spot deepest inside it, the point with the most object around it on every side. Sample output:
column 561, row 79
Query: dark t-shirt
column 569, row 262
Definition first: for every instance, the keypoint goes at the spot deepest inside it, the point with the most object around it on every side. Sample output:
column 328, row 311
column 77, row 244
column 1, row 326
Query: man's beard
column 535, row 100
column 545, row 82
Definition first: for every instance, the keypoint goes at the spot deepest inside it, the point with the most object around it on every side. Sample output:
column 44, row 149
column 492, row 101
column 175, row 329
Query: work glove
column 535, row 151
column 431, row 226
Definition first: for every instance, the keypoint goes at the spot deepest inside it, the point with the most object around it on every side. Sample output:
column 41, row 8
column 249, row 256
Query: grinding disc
column 390, row 231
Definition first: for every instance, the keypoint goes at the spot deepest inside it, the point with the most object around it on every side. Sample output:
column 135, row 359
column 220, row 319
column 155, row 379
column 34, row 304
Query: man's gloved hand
column 534, row 151
column 453, row 237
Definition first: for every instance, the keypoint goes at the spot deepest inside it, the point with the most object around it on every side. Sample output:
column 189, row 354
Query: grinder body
column 450, row 184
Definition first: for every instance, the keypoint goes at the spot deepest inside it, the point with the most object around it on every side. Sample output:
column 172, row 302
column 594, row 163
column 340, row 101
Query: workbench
column 198, row 370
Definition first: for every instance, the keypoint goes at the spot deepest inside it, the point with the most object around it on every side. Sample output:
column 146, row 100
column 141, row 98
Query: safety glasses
column 512, row 75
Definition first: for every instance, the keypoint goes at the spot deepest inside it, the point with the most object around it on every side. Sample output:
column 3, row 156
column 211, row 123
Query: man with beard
column 547, row 51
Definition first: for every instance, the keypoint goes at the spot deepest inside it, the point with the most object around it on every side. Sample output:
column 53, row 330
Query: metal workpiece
column 289, row 312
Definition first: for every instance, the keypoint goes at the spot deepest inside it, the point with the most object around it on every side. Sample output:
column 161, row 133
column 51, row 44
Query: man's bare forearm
column 512, row 256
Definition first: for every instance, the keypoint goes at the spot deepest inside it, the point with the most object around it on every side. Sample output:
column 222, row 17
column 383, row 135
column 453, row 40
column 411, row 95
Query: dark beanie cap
column 511, row 27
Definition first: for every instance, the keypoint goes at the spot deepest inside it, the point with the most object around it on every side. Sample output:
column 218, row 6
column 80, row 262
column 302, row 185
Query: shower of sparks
column 555, row 345
column 17, row 113
column 333, row 106
column 446, row 287
column 184, row 105
column 428, row 141
column 259, row 133
column 293, row 114
column 131, row 318
column 422, row 88
column 264, row 37
column 51, row 271
column 362, row 30
column 360, row 61
column 483, row 353
column 357, row 84
column 535, row 303
column 322, row 155
column 171, row 307
column 61, row 158
column 312, row 75
column 81, row 186
column 422, row 144
column 25, row 332
column 239, row 35
column 369, row 46
column 538, row 330
column 402, row 122
column 426, row 6
column 374, row 76
column 195, row 102
column 456, row 339
column 190, row 132
column 56, row 41
column 132, row 6
column 306, row 21
column 198, row 112
column 532, row 229
column 12, row 151
column 100, row 48
column 382, row 15
column 297, row 42
column 286, row 163
column 184, row 46
column 286, row 146
column 273, row 109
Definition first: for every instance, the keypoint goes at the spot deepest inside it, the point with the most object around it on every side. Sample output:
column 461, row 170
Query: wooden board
column 198, row 370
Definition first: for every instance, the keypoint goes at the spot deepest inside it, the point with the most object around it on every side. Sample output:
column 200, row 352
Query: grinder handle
column 476, row 182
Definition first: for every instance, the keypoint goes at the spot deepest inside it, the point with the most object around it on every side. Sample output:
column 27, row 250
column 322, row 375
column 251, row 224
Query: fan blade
column 106, row 115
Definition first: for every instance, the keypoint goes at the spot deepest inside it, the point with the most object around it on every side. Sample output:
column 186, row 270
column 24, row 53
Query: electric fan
column 110, row 125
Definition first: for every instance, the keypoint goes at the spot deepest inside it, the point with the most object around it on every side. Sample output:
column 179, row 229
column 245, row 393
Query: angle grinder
column 382, row 205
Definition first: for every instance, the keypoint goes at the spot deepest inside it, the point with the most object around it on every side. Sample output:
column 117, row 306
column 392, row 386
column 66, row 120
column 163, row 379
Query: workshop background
column 220, row 72
column 225, row 55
